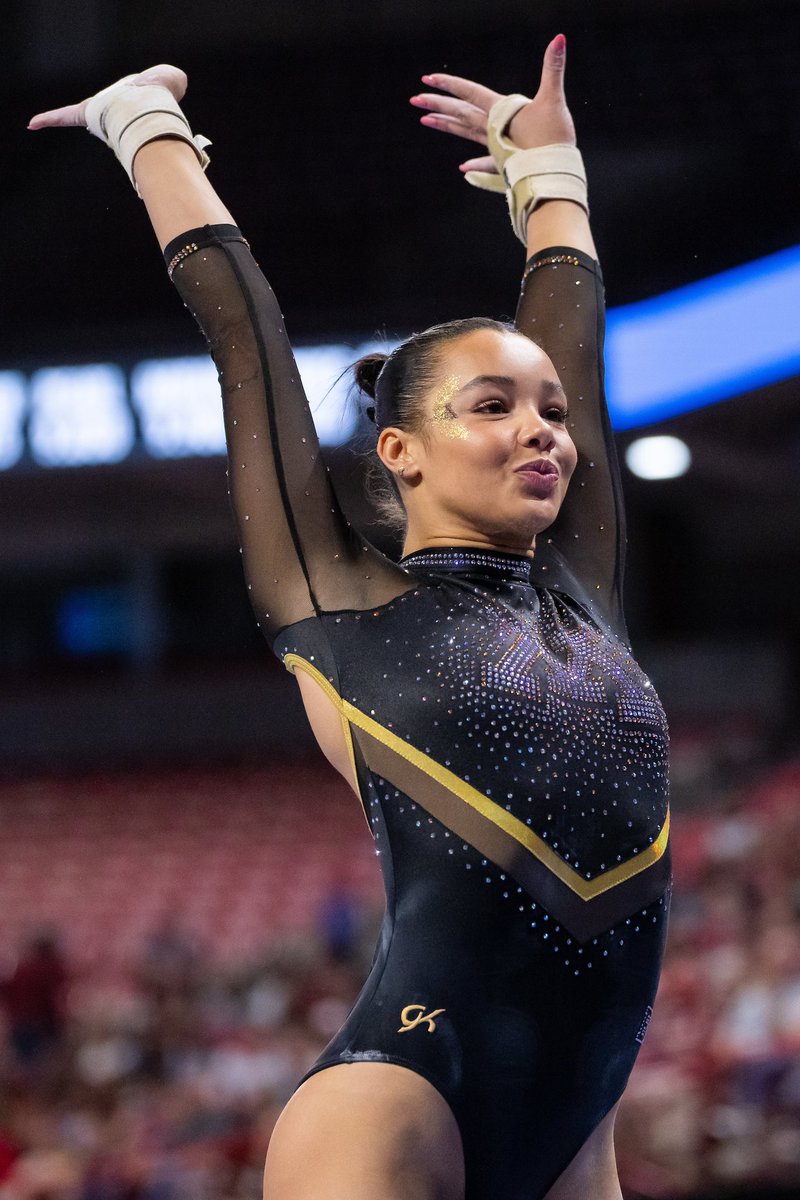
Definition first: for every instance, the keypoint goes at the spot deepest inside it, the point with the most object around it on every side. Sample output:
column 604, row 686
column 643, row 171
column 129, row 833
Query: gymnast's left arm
column 561, row 306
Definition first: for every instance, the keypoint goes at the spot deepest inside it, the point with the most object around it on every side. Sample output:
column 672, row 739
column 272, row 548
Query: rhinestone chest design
column 522, row 696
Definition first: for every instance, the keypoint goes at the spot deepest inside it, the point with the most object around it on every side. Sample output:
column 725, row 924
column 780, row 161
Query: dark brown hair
column 397, row 381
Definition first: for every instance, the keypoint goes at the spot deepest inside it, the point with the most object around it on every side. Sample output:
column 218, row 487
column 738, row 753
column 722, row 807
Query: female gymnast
column 479, row 695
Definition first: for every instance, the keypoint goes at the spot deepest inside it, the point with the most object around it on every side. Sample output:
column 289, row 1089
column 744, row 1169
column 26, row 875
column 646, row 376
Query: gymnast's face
column 492, row 460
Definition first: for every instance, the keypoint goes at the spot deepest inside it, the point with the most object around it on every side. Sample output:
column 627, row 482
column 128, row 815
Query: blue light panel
column 711, row 340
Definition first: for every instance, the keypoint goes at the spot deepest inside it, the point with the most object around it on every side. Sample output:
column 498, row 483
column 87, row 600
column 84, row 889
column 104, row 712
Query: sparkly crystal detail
column 191, row 248
column 520, row 694
column 550, row 261
column 184, row 252
column 513, row 567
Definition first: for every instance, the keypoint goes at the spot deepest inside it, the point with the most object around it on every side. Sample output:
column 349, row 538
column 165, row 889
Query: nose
column 535, row 431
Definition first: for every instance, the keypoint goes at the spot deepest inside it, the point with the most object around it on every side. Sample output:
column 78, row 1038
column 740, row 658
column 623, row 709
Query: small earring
column 401, row 471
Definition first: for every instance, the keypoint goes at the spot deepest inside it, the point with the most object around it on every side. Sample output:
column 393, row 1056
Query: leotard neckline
column 471, row 560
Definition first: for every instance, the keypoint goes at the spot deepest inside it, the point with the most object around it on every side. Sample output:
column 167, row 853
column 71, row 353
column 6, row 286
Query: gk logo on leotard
column 414, row 1015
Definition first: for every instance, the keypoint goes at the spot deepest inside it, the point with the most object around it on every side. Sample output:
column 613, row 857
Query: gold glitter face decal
column 443, row 414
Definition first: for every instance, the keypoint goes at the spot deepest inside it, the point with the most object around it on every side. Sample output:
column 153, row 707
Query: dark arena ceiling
column 688, row 113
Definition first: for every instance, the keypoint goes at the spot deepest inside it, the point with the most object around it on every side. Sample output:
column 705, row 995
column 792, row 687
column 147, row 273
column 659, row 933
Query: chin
column 535, row 519
column 519, row 533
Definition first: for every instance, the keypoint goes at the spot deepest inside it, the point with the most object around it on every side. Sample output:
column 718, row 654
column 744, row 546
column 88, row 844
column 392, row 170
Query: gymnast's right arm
column 301, row 555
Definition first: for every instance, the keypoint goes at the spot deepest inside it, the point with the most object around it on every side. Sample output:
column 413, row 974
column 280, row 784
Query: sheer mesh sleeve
column 562, row 309
column 301, row 555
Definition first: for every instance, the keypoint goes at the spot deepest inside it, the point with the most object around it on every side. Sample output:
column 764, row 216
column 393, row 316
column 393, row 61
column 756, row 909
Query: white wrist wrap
column 127, row 116
column 528, row 177
column 544, row 173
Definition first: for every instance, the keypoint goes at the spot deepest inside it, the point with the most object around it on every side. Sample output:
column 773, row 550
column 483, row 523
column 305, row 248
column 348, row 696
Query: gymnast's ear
column 395, row 449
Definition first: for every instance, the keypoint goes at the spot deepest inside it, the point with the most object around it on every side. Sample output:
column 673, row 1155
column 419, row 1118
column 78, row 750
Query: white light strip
column 79, row 415
column 178, row 405
column 12, row 412
column 323, row 371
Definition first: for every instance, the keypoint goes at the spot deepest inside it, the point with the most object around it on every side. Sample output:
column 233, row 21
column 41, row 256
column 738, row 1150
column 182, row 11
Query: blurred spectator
column 34, row 997
column 9, row 1149
column 757, row 1033
column 170, row 960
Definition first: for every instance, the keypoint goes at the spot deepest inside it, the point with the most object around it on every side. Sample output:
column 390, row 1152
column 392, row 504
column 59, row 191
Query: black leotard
column 510, row 754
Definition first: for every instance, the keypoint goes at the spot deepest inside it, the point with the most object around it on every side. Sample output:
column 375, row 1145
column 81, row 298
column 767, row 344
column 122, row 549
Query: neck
column 473, row 541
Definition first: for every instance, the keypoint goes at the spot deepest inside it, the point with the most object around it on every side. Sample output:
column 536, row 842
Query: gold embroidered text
column 414, row 1014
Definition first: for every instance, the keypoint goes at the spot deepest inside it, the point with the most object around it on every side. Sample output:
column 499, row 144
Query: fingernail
column 428, row 78
column 559, row 44
column 416, row 100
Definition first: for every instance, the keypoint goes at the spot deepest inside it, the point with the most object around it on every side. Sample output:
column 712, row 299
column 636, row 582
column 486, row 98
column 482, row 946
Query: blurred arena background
column 187, row 893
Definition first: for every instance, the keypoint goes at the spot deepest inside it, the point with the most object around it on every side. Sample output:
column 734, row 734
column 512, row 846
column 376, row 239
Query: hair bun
column 366, row 372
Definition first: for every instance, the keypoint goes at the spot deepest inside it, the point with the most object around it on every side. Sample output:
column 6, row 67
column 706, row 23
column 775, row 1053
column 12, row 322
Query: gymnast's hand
column 172, row 78
column 464, row 112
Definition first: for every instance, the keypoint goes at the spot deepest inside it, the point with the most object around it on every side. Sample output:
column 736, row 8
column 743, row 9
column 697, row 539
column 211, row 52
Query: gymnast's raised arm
column 562, row 309
column 301, row 556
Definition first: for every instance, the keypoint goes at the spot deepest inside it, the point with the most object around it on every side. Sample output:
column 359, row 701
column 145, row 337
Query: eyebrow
column 548, row 387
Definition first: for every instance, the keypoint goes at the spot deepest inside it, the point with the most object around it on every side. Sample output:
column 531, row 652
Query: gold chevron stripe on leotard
column 586, row 889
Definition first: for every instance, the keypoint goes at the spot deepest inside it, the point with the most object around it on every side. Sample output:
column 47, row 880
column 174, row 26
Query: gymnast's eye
column 495, row 404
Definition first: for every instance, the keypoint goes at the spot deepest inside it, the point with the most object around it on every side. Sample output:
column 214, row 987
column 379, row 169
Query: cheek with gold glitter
column 443, row 415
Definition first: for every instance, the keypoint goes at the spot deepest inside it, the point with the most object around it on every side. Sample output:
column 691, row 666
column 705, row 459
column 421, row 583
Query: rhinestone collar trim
column 511, row 567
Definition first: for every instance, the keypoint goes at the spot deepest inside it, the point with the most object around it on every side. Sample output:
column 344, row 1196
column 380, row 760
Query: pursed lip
column 541, row 466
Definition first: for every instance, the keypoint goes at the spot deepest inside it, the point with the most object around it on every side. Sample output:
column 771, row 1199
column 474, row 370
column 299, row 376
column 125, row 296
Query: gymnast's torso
column 512, row 765
column 510, row 755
